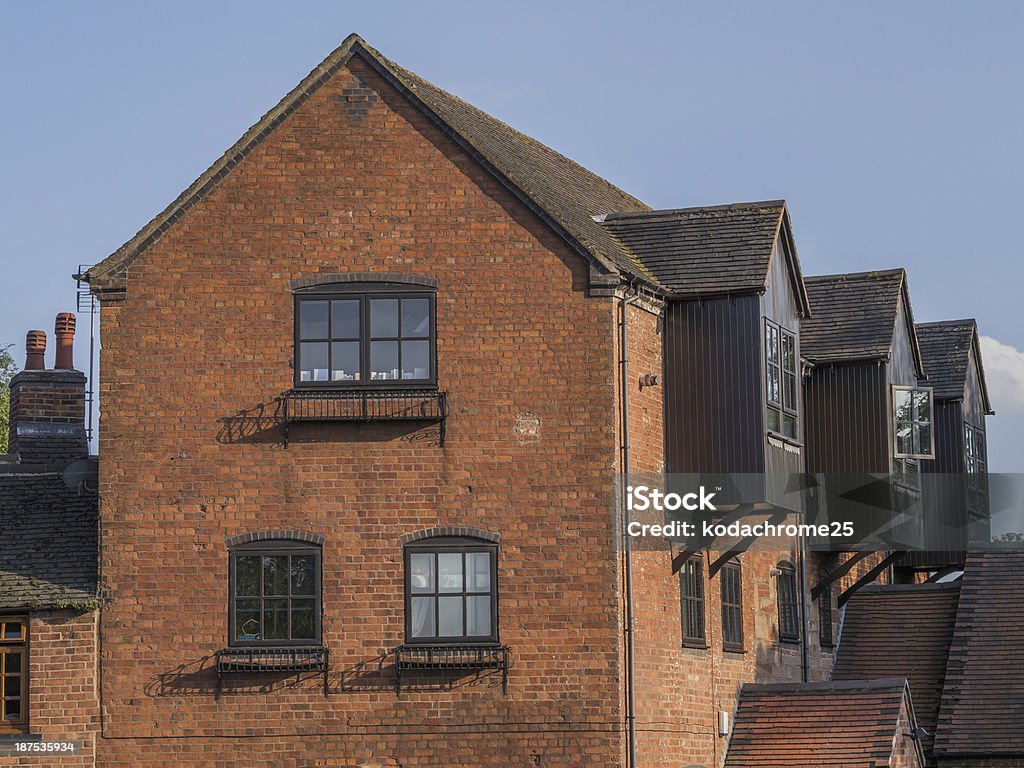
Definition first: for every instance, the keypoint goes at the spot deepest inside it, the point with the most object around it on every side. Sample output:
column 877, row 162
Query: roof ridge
column 654, row 212
column 873, row 273
column 935, row 323
column 827, row 686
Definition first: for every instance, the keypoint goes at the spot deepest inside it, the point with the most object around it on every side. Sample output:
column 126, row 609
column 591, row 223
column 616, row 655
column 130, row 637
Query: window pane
column 415, row 318
column 345, row 319
column 313, row 319
column 304, row 619
column 449, row 616
column 12, row 662
column 313, row 361
column 478, row 571
column 923, row 405
column 478, row 616
column 275, row 575
column 789, row 426
column 303, row 575
column 449, row 572
column 904, row 439
column 383, row 360
column 924, row 439
column 12, row 630
column 275, row 618
column 12, row 710
column 247, row 619
column 771, row 341
column 902, row 401
column 345, row 361
column 422, row 620
column 12, row 686
column 247, row 575
column 774, row 420
column 421, row 572
column 384, row 318
column 788, row 352
column 415, row 359
column 774, row 395
column 790, row 392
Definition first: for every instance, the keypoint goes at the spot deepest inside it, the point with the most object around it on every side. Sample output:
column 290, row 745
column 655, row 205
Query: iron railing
column 418, row 658
column 365, row 405
column 267, row 659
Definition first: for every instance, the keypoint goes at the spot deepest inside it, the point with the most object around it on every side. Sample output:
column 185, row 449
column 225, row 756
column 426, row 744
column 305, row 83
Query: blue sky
column 895, row 131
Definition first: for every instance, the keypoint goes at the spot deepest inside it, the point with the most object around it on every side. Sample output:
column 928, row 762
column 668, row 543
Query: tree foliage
column 7, row 370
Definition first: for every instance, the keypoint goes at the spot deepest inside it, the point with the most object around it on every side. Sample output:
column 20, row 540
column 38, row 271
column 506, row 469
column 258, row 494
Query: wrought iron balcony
column 365, row 405
column 411, row 658
column 267, row 659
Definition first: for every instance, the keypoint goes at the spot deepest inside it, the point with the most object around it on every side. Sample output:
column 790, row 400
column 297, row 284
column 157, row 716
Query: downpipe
column 627, row 546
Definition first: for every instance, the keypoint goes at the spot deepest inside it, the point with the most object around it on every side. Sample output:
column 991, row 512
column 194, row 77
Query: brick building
column 367, row 386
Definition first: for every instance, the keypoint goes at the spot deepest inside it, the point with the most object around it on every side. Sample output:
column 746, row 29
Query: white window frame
column 915, row 424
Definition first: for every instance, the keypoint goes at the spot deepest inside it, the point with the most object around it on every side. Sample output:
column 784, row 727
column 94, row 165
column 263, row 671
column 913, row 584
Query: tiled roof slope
column 946, row 351
column 563, row 191
column 853, row 317
column 982, row 710
column 722, row 249
column 901, row 631
column 48, row 541
column 817, row 725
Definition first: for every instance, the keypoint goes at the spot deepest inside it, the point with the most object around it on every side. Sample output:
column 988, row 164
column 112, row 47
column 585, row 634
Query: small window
column 825, row 619
column 275, row 594
column 691, row 596
column 912, row 422
column 378, row 337
column 451, row 592
column 977, row 471
column 789, row 607
column 781, row 391
column 13, row 672
column 732, row 607
column 907, row 472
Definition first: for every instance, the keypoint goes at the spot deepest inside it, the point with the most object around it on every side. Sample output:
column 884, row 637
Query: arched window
column 275, row 593
column 789, row 606
column 451, row 594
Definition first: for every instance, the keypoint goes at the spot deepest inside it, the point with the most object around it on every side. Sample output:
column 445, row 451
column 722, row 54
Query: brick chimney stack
column 47, row 424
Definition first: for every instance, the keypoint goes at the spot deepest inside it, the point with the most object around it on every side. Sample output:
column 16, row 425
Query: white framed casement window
column 913, row 419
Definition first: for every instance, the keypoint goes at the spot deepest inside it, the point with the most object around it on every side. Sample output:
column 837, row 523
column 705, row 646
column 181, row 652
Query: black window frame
column 364, row 293
column 976, row 466
column 788, row 603
column 787, row 406
column 916, row 424
column 276, row 548
column 451, row 545
column 825, row 637
column 11, row 645
column 692, row 603
column 731, row 578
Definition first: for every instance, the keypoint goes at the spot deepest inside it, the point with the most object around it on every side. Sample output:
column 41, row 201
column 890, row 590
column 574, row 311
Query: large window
column 977, row 470
column 732, row 606
column 912, row 422
column 378, row 337
column 451, row 592
column 13, row 672
column 275, row 594
column 691, row 599
column 781, row 391
column 789, row 607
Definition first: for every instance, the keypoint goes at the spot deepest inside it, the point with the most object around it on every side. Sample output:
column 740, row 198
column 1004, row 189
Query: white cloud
column 1004, row 373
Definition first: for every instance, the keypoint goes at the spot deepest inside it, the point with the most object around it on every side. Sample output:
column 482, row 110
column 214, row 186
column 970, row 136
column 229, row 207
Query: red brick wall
column 205, row 335
column 63, row 703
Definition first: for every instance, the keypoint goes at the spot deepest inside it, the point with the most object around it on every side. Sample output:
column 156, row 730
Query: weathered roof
column 714, row 250
column 49, row 541
column 946, row 351
column 853, row 316
column 901, row 631
column 983, row 700
column 564, row 193
column 816, row 725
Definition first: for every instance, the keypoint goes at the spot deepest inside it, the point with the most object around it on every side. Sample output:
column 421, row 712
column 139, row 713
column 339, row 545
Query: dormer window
column 781, row 382
column 374, row 335
column 912, row 423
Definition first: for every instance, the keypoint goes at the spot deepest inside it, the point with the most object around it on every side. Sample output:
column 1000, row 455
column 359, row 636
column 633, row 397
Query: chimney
column 47, row 421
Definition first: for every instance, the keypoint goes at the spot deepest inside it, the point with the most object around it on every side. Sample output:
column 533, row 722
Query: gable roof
column 566, row 195
column 983, row 699
column 50, row 543
column 853, row 317
column 817, row 725
column 946, row 348
column 711, row 251
column 878, row 625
